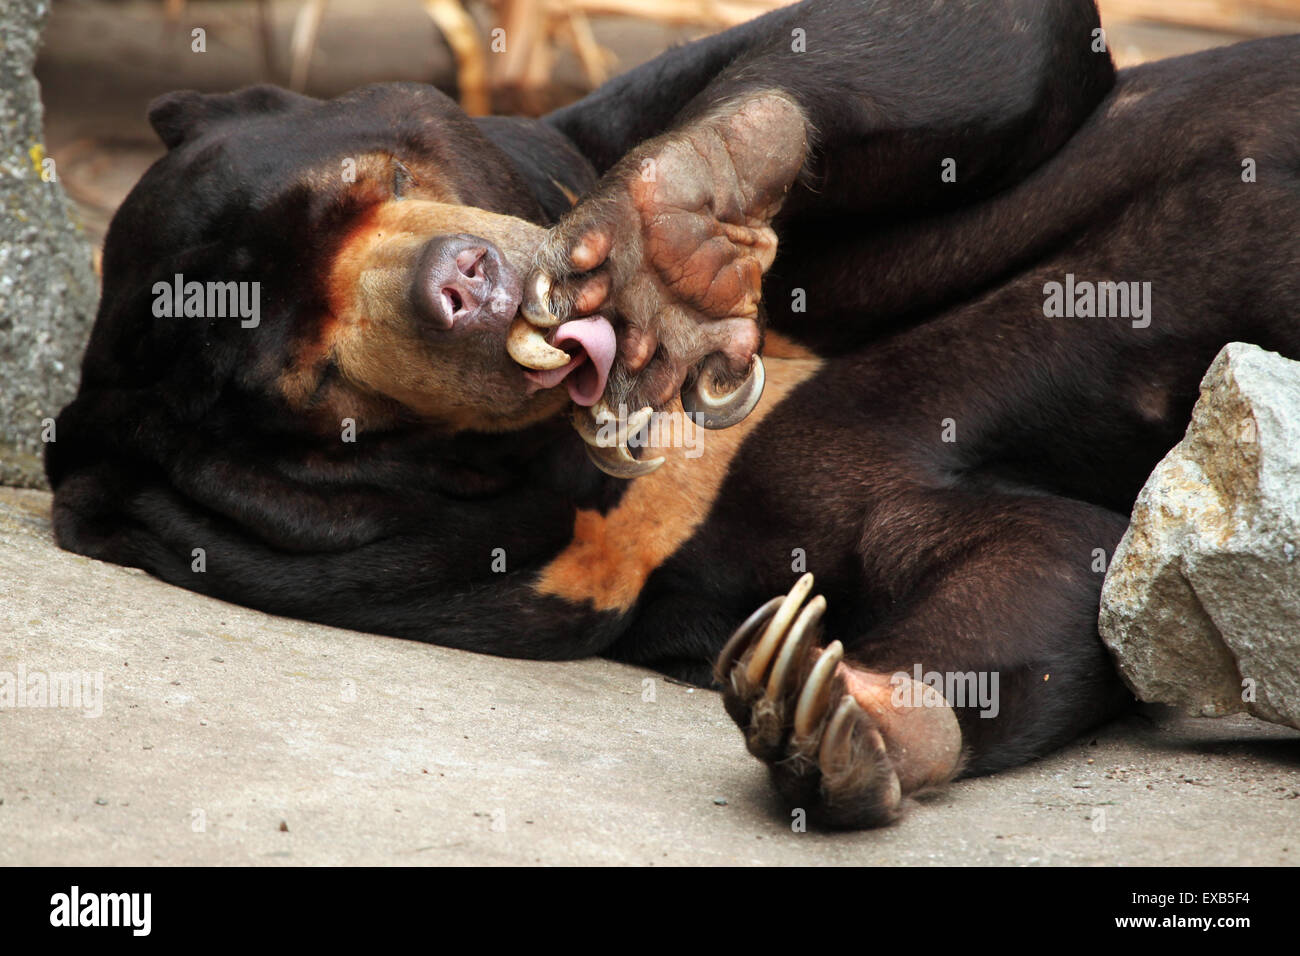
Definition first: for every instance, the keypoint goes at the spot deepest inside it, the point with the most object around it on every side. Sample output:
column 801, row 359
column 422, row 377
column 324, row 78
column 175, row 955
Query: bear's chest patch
column 611, row 555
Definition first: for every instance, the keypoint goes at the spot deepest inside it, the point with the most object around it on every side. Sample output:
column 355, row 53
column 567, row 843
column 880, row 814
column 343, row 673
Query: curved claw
column 722, row 411
column 816, row 690
column 528, row 346
column 740, row 638
column 777, row 627
column 606, row 438
column 836, row 751
column 620, row 463
column 536, row 305
column 600, row 427
column 803, row 631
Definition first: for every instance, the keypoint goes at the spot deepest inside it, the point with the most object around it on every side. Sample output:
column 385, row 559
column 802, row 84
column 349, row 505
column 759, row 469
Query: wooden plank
column 678, row 12
column 1246, row 17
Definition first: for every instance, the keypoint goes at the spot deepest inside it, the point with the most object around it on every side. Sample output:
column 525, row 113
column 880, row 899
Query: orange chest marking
column 612, row 555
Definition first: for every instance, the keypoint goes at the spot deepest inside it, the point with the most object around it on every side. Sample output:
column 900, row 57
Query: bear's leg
column 992, row 660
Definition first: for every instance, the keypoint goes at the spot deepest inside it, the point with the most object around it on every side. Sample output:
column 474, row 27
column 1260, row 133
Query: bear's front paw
column 672, row 246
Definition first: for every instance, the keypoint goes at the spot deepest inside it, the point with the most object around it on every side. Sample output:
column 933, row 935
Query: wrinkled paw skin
column 672, row 245
column 824, row 728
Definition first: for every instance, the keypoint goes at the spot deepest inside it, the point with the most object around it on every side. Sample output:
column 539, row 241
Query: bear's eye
column 402, row 179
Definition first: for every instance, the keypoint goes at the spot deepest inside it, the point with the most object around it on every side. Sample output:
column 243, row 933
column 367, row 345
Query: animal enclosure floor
column 230, row 737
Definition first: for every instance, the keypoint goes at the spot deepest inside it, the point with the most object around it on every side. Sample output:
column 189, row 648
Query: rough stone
column 47, row 284
column 1201, row 604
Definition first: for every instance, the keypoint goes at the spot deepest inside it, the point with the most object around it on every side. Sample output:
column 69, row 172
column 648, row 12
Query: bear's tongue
column 593, row 346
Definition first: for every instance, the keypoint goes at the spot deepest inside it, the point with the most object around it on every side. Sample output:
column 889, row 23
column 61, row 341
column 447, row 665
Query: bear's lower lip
column 592, row 344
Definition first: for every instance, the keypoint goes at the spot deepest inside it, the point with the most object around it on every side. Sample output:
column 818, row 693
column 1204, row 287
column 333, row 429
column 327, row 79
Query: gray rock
column 1201, row 604
column 47, row 285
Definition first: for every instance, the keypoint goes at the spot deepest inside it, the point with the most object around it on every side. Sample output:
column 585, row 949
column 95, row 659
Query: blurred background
column 103, row 60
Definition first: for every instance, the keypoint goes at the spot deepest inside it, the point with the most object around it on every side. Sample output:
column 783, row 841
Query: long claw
column 722, row 411
column 536, row 305
column 591, row 429
column 836, row 748
column 620, row 463
column 607, row 437
column 801, row 631
column 739, row 640
column 816, row 690
column 599, row 426
column 528, row 346
column 776, row 629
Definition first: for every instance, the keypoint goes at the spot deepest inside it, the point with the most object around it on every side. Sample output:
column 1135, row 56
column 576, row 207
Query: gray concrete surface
column 230, row 737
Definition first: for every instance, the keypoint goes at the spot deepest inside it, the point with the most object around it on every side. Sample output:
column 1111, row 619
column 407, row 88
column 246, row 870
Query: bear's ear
column 175, row 116
column 185, row 114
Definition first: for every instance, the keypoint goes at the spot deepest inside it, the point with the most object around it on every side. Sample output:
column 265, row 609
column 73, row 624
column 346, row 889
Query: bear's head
column 301, row 338
column 315, row 261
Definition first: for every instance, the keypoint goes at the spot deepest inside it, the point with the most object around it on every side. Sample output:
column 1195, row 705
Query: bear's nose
column 462, row 279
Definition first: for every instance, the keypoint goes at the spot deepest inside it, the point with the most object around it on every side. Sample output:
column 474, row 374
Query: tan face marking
column 378, row 346
column 388, row 364
column 612, row 555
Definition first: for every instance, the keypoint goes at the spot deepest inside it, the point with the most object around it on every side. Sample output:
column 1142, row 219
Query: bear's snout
column 461, row 280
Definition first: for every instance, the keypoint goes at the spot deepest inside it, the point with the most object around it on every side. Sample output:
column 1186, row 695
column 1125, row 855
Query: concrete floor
column 228, row 737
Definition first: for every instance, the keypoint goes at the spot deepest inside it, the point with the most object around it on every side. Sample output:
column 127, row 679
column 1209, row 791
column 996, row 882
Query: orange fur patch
column 776, row 345
column 569, row 194
column 612, row 555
